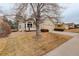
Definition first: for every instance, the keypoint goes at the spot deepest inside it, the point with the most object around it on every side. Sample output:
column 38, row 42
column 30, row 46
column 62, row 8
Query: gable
column 48, row 22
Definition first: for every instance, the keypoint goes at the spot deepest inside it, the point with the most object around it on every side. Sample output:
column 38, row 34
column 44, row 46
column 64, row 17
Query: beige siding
column 21, row 26
column 47, row 24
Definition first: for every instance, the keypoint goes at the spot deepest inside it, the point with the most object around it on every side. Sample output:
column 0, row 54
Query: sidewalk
column 70, row 48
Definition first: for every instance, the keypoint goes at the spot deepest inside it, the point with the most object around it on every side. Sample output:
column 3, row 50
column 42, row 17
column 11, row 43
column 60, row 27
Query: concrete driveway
column 65, row 33
column 69, row 48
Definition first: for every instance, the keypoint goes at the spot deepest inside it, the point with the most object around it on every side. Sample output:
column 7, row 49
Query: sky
column 70, row 12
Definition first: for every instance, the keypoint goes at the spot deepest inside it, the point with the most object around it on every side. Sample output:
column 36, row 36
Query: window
column 59, row 25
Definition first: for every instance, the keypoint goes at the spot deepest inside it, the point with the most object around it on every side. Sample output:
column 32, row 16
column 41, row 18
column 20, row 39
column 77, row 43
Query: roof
column 30, row 19
column 69, row 23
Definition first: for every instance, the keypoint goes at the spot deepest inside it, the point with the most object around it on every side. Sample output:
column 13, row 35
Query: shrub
column 44, row 30
column 5, row 28
column 58, row 29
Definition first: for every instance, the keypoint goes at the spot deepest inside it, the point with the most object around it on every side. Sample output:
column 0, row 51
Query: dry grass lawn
column 23, row 43
column 76, row 30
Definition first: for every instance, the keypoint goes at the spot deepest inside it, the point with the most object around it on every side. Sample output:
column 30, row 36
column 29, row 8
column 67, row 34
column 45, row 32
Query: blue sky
column 70, row 13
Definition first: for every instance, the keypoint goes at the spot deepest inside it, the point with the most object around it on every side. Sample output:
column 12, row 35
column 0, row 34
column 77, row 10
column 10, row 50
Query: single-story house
column 77, row 25
column 23, row 25
column 63, row 26
column 69, row 25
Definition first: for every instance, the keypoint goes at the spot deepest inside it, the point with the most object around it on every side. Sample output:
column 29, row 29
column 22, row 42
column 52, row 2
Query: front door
column 29, row 25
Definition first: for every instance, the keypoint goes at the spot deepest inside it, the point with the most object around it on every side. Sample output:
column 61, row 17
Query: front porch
column 27, row 26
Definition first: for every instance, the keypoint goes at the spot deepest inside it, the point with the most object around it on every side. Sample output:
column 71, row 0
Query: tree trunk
column 37, row 29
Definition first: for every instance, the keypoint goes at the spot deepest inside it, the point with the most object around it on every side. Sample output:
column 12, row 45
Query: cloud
column 71, row 11
column 71, row 14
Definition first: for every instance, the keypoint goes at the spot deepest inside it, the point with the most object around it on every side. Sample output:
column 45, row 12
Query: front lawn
column 23, row 43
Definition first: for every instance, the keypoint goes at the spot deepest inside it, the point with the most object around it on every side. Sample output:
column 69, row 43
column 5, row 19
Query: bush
column 5, row 29
column 44, row 30
column 58, row 29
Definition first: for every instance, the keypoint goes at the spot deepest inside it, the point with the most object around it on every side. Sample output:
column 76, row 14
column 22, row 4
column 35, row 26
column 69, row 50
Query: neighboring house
column 24, row 25
column 69, row 25
column 59, row 26
column 77, row 25
column 63, row 26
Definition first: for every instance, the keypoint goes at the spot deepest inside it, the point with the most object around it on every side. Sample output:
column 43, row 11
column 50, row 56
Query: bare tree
column 41, row 11
column 20, row 11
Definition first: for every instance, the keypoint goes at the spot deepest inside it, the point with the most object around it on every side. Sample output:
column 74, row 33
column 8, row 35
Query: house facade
column 29, row 24
column 26, row 25
column 69, row 25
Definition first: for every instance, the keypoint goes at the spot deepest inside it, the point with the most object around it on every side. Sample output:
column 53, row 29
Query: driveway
column 69, row 48
column 65, row 33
